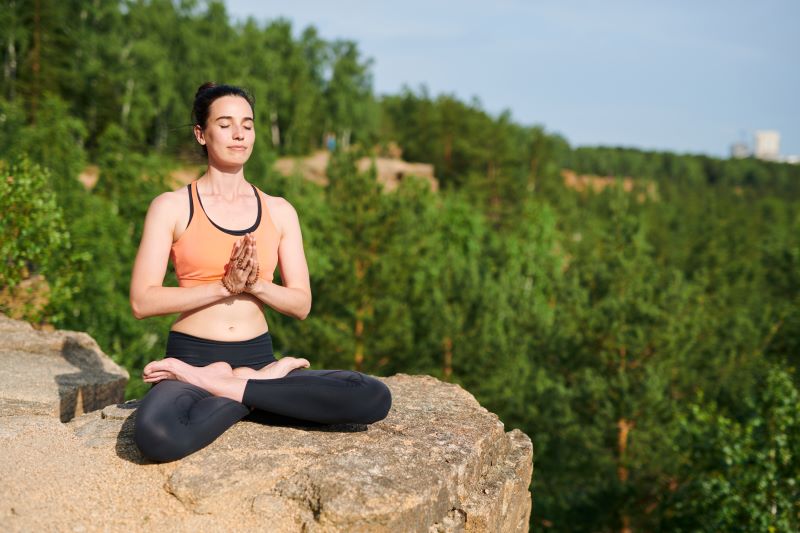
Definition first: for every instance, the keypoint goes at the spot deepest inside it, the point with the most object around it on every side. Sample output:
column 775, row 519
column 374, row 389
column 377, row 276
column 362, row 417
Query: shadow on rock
column 126, row 447
column 90, row 389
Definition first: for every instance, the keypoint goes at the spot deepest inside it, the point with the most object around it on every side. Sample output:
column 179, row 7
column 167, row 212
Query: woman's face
column 229, row 133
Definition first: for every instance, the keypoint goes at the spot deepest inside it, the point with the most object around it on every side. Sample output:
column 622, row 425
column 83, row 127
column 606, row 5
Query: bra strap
column 191, row 204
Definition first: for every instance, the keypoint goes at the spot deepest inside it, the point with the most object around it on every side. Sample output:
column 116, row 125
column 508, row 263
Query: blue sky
column 685, row 76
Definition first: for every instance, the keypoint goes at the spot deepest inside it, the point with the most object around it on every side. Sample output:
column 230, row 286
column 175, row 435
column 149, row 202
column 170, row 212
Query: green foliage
column 637, row 337
column 689, row 170
column 55, row 142
column 348, row 94
column 137, row 65
column 33, row 226
column 739, row 474
column 34, row 239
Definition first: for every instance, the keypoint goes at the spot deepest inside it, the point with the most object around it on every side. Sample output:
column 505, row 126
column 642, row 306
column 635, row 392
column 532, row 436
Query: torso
column 239, row 317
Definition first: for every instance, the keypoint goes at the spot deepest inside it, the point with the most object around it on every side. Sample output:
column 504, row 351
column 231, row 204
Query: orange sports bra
column 202, row 251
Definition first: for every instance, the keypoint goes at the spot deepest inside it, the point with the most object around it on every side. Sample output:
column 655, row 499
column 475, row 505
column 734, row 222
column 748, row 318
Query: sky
column 677, row 75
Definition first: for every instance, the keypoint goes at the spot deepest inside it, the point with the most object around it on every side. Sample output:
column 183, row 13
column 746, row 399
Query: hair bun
column 207, row 85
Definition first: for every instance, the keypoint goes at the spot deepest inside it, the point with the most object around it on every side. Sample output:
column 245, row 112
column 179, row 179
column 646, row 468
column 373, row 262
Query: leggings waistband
column 197, row 351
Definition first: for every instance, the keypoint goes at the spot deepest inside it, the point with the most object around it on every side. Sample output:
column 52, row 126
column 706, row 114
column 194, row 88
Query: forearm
column 286, row 300
column 155, row 301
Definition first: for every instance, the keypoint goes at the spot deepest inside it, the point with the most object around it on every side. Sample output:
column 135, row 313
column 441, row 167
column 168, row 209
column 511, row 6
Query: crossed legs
column 189, row 407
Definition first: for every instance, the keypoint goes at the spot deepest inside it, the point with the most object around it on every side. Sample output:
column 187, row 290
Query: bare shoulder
column 169, row 208
column 170, row 200
column 282, row 212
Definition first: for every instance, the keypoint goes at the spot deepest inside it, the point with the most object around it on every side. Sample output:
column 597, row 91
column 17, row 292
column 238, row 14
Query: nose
column 238, row 132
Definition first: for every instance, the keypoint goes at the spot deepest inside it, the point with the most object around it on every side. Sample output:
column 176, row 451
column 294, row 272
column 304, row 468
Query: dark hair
column 205, row 96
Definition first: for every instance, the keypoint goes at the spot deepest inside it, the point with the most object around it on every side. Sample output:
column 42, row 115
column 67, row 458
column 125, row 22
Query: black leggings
column 175, row 419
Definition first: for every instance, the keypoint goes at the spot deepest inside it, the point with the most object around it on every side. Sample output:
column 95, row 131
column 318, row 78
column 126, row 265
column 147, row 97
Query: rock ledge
column 438, row 463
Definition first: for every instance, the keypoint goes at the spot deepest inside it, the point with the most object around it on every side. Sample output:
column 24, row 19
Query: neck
column 224, row 181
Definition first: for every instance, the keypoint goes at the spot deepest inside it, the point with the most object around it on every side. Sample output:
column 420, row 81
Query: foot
column 171, row 368
column 277, row 369
column 216, row 378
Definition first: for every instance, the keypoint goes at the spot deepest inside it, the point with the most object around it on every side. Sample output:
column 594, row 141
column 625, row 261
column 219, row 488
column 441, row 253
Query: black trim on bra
column 234, row 231
column 191, row 206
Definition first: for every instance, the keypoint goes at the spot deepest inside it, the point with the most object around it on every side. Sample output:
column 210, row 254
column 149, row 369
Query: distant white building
column 768, row 145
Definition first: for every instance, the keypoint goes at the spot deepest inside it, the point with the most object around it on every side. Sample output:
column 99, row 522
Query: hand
column 254, row 270
column 238, row 269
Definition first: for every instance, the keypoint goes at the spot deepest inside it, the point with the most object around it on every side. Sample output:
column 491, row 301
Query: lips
column 240, row 148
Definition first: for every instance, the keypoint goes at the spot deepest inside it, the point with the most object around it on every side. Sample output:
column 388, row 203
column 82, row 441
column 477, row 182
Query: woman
column 225, row 238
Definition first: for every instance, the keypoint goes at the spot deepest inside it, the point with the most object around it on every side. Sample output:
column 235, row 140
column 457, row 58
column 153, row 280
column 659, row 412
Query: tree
column 739, row 474
column 40, row 269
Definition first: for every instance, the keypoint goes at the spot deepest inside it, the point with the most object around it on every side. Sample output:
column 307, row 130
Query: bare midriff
column 199, row 254
column 236, row 318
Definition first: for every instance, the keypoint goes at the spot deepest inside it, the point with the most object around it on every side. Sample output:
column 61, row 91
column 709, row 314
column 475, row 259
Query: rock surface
column 61, row 373
column 439, row 462
column 390, row 171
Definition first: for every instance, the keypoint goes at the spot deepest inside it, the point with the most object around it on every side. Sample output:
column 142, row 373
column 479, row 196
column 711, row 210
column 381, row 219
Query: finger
column 241, row 257
column 253, row 272
column 242, row 248
column 245, row 258
column 237, row 249
column 247, row 269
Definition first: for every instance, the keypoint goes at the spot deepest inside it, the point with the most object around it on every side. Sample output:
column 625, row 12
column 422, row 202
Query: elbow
column 137, row 313
column 136, row 308
column 305, row 311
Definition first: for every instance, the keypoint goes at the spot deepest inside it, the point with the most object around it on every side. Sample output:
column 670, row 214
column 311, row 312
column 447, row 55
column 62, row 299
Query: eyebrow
column 231, row 118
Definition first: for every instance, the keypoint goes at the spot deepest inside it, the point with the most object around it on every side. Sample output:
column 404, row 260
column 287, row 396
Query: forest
column 645, row 336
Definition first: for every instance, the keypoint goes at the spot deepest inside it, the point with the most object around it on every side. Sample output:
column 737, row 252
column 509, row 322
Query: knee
column 157, row 439
column 379, row 398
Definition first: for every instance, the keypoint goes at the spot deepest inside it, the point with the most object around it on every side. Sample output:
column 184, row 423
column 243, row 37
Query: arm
column 294, row 297
column 147, row 295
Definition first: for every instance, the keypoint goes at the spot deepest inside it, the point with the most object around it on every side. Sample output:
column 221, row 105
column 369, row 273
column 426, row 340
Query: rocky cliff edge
column 439, row 462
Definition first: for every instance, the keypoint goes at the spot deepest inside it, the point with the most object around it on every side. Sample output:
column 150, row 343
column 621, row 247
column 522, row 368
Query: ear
column 198, row 134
